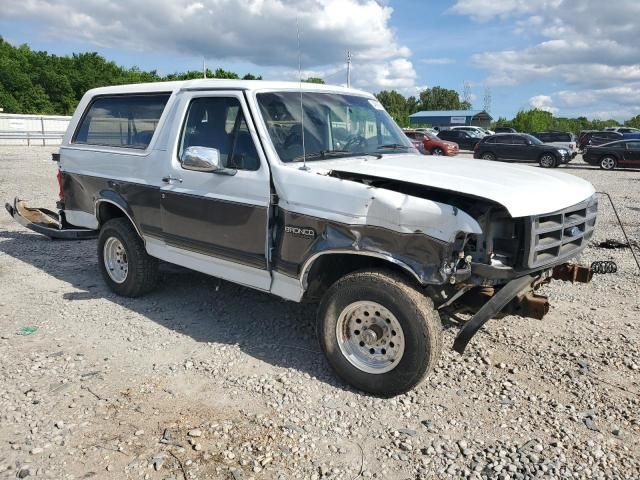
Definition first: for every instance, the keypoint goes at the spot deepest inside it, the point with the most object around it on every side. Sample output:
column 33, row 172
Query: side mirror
column 201, row 159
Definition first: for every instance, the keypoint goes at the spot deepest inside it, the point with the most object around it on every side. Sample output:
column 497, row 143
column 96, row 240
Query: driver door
column 217, row 222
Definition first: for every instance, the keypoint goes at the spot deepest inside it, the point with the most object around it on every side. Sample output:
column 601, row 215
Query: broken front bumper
column 518, row 296
column 46, row 222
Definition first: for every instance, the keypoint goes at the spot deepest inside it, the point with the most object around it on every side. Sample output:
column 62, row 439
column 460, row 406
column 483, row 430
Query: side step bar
column 46, row 222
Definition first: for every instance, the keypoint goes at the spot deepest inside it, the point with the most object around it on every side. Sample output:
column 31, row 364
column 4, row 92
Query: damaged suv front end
column 513, row 257
column 478, row 237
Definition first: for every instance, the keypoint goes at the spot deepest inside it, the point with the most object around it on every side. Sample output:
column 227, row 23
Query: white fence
column 32, row 130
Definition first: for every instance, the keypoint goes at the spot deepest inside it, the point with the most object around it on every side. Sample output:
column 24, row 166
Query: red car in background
column 428, row 143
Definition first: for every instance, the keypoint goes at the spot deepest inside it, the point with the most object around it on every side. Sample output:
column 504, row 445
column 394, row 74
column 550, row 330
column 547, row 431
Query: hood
column 522, row 190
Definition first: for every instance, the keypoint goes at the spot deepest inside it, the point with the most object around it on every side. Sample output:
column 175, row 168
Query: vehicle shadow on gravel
column 205, row 308
column 595, row 167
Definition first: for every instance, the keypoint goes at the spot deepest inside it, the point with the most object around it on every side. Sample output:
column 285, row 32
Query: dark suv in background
column 598, row 138
column 465, row 140
column 505, row 130
column 520, row 147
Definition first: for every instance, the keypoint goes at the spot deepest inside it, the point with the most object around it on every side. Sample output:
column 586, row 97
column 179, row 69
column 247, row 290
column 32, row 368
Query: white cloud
column 543, row 102
column 484, row 10
column 262, row 32
column 437, row 61
column 589, row 46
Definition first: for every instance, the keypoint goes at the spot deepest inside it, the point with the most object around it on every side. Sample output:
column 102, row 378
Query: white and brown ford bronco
column 333, row 205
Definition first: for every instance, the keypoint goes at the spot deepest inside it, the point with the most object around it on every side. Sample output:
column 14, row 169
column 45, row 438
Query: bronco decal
column 304, row 232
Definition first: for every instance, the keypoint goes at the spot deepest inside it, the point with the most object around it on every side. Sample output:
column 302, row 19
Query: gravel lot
column 205, row 379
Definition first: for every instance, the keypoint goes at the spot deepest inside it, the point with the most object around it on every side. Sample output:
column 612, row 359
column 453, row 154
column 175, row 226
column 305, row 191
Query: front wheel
column 608, row 163
column 488, row 156
column 437, row 151
column 379, row 334
column 125, row 265
column 547, row 161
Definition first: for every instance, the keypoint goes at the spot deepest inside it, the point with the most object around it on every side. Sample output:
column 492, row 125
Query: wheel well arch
column 325, row 268
column 108, row 209
column 548, row 152
column 605, row 155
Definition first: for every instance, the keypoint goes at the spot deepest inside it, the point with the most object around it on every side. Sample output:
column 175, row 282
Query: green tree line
column 37, row 82
column 41, row 83
column 536, row 120
column 436, row 98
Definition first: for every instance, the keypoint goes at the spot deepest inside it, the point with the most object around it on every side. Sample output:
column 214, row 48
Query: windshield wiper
column 393, row 146
column 322, row 154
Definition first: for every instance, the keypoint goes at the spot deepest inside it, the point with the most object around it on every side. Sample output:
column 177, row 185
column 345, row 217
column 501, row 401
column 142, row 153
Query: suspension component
column 604, row 266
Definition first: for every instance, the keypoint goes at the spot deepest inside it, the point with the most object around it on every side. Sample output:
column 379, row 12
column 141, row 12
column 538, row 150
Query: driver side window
column 218, row 122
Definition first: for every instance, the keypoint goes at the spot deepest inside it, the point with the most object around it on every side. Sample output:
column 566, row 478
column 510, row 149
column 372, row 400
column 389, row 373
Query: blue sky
column 566, row 57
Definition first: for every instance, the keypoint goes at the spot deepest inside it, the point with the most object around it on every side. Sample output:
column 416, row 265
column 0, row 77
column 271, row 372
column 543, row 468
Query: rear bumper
column 46, row 222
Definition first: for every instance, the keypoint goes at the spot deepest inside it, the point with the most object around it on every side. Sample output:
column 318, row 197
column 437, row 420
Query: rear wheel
column 125, row 265
column 437, row 151
column 608, row 163
column 547, row 160
column 488, row 156
column 379, row 334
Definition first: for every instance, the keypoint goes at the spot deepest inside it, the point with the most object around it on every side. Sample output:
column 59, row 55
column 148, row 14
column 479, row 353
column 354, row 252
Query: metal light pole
column 348, row 69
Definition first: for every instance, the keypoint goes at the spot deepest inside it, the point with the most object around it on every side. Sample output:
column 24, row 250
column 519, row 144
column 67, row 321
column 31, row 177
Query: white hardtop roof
column 219, row 84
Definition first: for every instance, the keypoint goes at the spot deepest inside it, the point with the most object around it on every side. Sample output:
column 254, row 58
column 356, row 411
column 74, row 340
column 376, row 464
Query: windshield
column 335, row 125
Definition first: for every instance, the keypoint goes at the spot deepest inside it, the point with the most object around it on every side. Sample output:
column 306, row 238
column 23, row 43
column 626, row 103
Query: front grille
column 560, row 235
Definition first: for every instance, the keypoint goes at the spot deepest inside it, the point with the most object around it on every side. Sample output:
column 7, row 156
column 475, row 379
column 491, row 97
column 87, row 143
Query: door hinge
column 274, row 199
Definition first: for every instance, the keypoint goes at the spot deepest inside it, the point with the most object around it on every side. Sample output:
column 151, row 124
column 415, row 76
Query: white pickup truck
column 332, row 205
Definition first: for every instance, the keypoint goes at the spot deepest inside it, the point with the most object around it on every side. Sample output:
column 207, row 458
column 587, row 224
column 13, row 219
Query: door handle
column 171, row 179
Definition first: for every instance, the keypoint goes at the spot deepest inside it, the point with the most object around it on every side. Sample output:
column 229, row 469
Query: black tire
column 488, row 156
column 142, row 274
column 548, row 160
column 608, row 162
column 437, row 151
column 420, row 323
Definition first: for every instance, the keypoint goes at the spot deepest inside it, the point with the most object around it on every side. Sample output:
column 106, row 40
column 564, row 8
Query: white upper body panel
column 522, row 190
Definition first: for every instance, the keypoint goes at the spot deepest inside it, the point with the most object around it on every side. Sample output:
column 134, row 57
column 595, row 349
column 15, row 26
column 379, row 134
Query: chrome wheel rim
column 608, row 163
column 370, row 337
column 487, row 156
column 437, row 152
column 115, row 260
column 547, row 161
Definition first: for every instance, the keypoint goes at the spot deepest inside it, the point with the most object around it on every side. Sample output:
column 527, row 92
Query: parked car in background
column 430, row 143
column 559, row 139
column 415, row 138
column 505, row 130
column 620, row 154
column 598, row 138
column 465, row 140
column 472, row 129
column 520, row 147
column 622, row 129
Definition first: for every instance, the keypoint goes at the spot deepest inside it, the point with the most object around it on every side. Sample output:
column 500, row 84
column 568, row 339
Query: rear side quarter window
column 126, row 121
